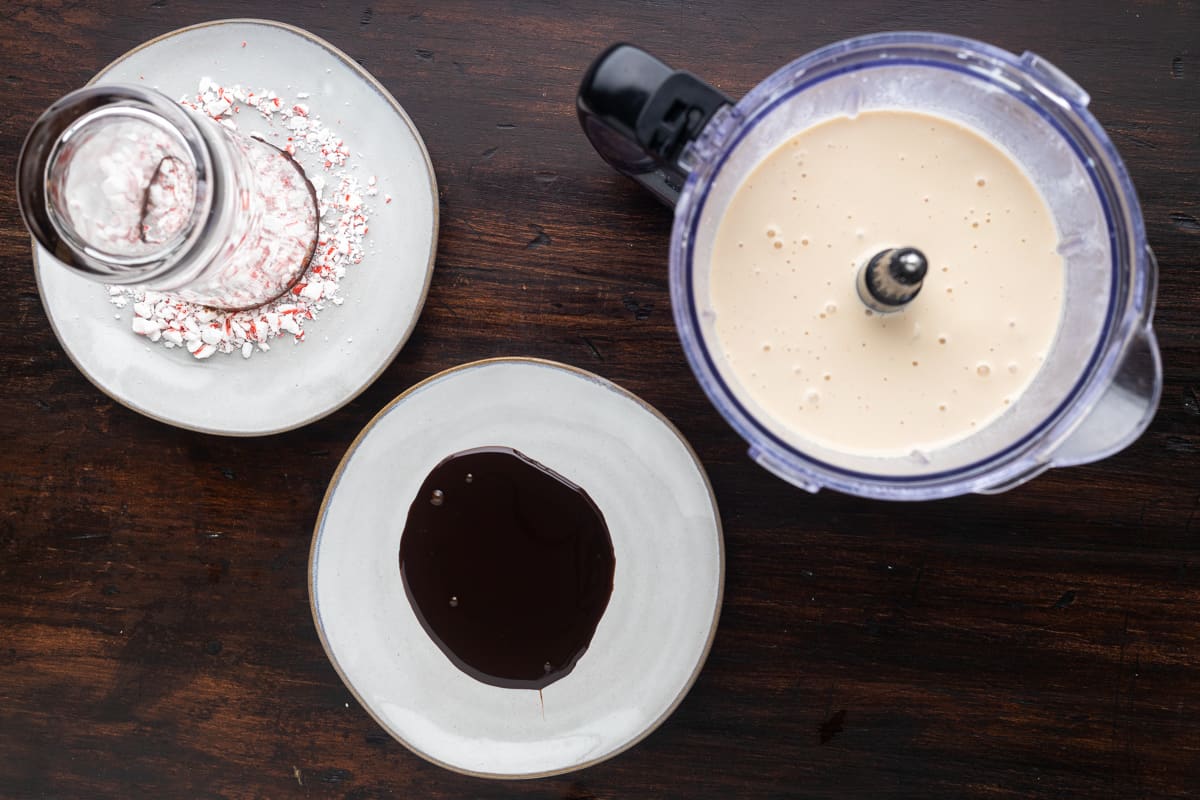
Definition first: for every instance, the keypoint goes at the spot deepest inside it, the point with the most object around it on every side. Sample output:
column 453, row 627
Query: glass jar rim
column 40, row 147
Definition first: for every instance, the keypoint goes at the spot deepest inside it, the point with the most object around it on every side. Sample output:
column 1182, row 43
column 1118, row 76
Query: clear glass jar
column 126, row 187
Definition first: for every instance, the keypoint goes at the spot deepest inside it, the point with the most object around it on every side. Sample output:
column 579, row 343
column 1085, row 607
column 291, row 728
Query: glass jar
column 126, row 187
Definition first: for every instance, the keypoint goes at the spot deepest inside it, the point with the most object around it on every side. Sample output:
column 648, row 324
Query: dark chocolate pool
column 508, row 566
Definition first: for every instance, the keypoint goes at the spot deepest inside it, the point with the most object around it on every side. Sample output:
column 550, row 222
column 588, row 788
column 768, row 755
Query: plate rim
column 420, row 306
column 336, row 478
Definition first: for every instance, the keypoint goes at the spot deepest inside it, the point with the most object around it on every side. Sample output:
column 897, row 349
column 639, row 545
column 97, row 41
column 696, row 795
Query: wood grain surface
column 155, row 634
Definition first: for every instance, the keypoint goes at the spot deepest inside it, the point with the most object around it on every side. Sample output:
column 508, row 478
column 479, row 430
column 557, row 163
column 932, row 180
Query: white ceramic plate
column 660, row 620
column 347, row 346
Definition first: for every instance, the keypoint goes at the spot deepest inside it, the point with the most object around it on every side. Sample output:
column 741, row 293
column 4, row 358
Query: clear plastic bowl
column 1100, row 383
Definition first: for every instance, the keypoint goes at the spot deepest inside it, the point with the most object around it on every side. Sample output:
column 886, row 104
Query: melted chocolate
column 508, row 566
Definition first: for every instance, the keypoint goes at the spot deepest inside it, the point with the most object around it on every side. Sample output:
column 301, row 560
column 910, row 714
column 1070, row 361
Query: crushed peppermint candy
column 343, row 212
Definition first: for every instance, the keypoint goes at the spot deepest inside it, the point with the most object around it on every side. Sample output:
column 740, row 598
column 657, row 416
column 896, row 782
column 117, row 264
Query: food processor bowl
column 1100, row 381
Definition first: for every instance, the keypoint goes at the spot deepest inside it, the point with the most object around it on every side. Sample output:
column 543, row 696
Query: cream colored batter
column 788, row 250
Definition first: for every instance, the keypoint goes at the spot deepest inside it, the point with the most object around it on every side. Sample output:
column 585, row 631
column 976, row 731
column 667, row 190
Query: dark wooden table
column 155, row 635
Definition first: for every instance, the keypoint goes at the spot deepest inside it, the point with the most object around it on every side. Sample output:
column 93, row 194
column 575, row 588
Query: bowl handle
column 640, row 114
column 1124, row 410
column 1127, row 407
column 1118, row 419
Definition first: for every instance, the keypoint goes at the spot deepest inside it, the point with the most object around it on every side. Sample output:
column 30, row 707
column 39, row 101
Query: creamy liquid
column 787, row 254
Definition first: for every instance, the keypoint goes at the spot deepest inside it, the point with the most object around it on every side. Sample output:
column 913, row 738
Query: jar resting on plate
column 126, row 187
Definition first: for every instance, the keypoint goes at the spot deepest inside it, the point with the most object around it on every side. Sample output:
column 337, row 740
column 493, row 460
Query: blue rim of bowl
column 948, row 482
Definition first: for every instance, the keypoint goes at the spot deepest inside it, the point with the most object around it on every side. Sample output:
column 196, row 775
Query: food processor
column 692, row 146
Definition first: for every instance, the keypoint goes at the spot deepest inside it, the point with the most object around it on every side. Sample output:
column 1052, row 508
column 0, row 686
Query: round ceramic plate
column 660, row 620
column 347, row 346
